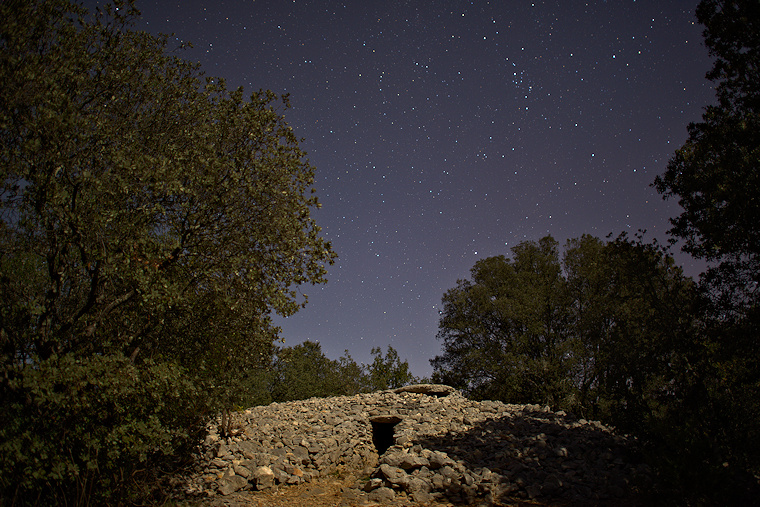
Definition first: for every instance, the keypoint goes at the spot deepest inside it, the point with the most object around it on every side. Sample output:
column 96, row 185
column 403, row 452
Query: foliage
column 504, row 334
column 85, row 428
column 596, row 333
column 715, row 176
column 303, row 371
column 614, row 331
column 633, row 321
column 353, row 376
column 388, row 372
column 147, row 215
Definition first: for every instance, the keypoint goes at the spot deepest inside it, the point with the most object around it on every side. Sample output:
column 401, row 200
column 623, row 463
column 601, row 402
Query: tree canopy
column 715, row 175
column 143, row 191
column 303, row 371
column 502, row 331
column 593, row 332
column 149, row 217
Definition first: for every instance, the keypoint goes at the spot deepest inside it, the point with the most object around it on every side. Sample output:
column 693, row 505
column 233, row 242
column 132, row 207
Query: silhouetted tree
column 388, row 372
column 715, row 176
column 599, row 333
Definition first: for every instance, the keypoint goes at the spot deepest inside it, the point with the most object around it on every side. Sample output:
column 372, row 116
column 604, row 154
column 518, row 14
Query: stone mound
column 421, row 445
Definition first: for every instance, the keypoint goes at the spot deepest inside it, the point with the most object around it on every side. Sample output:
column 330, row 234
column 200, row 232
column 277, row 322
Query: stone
column 382, row 495
column 438, row 459
column 241, row 470
column 410, row 462
column 392, row 474
column 230, row 484
column 222, row 450
column 373, row 484
column 438, row 390
column 262, row 478
column 385, row 419
column 551, row 485
column 441, row 446
column 302, row 454
column 422, row 497
column 416, row 485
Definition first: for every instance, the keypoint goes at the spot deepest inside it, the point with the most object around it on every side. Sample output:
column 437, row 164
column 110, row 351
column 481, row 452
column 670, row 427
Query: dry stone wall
column 421, row 444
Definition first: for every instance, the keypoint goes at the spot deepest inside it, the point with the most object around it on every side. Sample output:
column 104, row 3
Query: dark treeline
column 304, row 371
column 610, row 331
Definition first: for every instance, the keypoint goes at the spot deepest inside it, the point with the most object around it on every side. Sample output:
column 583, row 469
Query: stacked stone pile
column 423, row 443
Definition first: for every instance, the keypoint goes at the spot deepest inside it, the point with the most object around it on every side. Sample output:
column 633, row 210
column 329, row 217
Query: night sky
column 444, row 132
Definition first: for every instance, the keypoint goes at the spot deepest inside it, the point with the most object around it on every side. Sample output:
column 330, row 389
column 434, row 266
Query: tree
column 303, row 371
column 716, row 174
column 149, row 217
column 145, row 192
column 504, row 332
column 633, row 324
column 598, row 333
column 615, row 332
column 388, row 372
column 351, row 374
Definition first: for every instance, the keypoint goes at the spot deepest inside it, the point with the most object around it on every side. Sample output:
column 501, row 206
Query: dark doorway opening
column 382, row 431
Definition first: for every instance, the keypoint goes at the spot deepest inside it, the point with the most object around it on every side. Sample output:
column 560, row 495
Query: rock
column 262, row 478
column 302, row 453
column 410, row 462
column 392, row 474
column 438, row 445
column 373, row 484
column 551, row 485
column 438, row 390
column 385, row 419
column 382, row 495
column 241, row 470
column 438, row 459
column 416, row 485
column 228, row 485
column 422, row 497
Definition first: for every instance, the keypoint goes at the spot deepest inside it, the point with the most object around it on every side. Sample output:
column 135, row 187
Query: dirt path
column 337, row 490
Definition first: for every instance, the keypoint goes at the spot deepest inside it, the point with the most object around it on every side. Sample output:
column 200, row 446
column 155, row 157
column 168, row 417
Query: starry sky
column 447, row 131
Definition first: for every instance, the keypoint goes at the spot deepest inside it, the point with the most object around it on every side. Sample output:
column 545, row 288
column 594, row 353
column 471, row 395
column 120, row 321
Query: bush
column 70, row 424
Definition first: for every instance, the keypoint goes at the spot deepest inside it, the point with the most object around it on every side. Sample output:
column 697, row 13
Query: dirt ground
column 337, row 490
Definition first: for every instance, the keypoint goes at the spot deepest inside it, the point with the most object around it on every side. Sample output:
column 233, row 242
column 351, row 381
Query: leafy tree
column 147, row 215
column 388, row 372
column 303, row 371
column 614, row 332
column 95, row 429
column 353, row 376
column 505, row 332
column 715, row 176
column 633, row 329
column 598, row 333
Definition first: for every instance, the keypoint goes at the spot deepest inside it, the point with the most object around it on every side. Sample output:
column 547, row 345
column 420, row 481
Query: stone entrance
column 382, row 431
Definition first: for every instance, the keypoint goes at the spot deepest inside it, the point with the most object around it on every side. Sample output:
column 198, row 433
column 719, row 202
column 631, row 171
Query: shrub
column 69, row 424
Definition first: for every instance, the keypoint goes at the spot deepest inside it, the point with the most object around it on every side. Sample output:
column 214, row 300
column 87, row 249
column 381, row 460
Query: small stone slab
column 437, row 390
column 385, row 419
